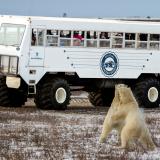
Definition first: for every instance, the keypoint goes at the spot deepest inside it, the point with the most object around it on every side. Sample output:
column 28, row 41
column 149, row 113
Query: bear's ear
column 118, row 85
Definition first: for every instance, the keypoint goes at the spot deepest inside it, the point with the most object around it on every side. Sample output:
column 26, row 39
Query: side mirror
column 17, row 48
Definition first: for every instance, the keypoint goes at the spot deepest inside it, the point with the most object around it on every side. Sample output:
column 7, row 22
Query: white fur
column 125, row 116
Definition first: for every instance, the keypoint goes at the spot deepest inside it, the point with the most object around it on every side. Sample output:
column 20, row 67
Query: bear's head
column 124, row 94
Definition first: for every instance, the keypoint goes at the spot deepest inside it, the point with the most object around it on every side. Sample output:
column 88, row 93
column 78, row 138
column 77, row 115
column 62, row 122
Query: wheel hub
column 153, row 94
column 61, row 95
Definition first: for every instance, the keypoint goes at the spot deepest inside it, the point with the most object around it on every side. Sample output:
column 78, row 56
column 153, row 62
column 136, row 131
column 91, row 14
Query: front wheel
column 11, row 97
column 147, row 93
column 4, row 96
column 17, row 97
column 53, row 94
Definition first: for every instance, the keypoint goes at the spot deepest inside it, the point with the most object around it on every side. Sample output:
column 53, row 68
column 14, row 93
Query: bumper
column 13, row 82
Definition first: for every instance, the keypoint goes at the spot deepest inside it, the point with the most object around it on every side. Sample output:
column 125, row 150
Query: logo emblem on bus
column 109, row 64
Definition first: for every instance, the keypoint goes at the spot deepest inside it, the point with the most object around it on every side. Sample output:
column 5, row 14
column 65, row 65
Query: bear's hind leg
column 124, row 138
column 146, row 140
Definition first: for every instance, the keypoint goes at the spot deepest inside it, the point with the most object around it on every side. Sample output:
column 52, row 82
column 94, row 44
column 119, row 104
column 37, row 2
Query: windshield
column 11, row 34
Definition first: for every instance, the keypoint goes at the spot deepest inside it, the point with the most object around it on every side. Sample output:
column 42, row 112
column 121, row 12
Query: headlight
column 8, row 64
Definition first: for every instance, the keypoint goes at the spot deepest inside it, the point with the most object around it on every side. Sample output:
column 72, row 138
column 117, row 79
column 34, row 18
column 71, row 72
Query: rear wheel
column 53, row 94
column 102, row 97
column 147, row 92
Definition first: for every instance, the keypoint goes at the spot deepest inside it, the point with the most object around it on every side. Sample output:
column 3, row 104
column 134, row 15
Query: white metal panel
column 56, row 60
column 131, row 63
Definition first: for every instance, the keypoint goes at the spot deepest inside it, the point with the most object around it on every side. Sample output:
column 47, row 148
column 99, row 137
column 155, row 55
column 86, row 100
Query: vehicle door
column 37, row 49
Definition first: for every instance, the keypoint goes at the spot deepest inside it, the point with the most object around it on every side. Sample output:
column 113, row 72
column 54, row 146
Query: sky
column 82, row 8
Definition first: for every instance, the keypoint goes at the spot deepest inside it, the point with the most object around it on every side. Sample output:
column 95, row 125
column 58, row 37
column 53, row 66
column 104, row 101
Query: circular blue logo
column 109, row 64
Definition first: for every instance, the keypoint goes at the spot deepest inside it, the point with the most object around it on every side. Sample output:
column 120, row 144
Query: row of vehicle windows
column 54, row 38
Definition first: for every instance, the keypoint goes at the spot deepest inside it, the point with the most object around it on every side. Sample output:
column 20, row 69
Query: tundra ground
column 28, row 133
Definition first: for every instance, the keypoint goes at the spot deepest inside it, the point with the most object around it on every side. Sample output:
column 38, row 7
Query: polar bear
column 125, row 116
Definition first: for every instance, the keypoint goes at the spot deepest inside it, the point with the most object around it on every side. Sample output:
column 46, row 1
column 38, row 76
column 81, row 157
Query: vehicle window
column 104, row 39
column 65, row 38
column 2, row 35
column 91, row 38
column 117, row 40
column 154, row 41
column 130, row 40
column 130, row 36
column 52, row 37
column 11, row 34
column 37, row 37
column 142, row 40
column 154, row 37
column 78, row 38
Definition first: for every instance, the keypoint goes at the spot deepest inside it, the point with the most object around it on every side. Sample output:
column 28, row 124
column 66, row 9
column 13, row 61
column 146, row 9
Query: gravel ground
column 28, row 133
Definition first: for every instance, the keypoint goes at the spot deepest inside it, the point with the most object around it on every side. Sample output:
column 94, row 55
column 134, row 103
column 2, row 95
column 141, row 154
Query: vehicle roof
column 66, row 19
column 113, row 25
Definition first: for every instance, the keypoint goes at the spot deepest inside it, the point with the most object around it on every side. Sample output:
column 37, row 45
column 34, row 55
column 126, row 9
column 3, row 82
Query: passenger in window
column 65, row 38
column 40, row 37
column 77, row 39
column 68, row 35
column 91, row 39
column 104, row 35
column 83, row 34
column 95, row 35
column 130, row 36
column 119, row 34
column 142, row 41
column 77, row 35
column 49, row 32
column 61, row 34
column 143, row 37
column 33, row 42
column 154, row 37
column 88, row 35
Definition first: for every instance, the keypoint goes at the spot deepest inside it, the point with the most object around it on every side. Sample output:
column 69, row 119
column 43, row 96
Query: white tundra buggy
column 48, row 58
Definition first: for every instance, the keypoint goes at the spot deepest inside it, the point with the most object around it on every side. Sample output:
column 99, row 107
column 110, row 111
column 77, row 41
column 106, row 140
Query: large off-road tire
column 102, row 97
column 4, row 97
column 53, row 93
column 17, row 97
column 11, row 97
column 147, row 92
